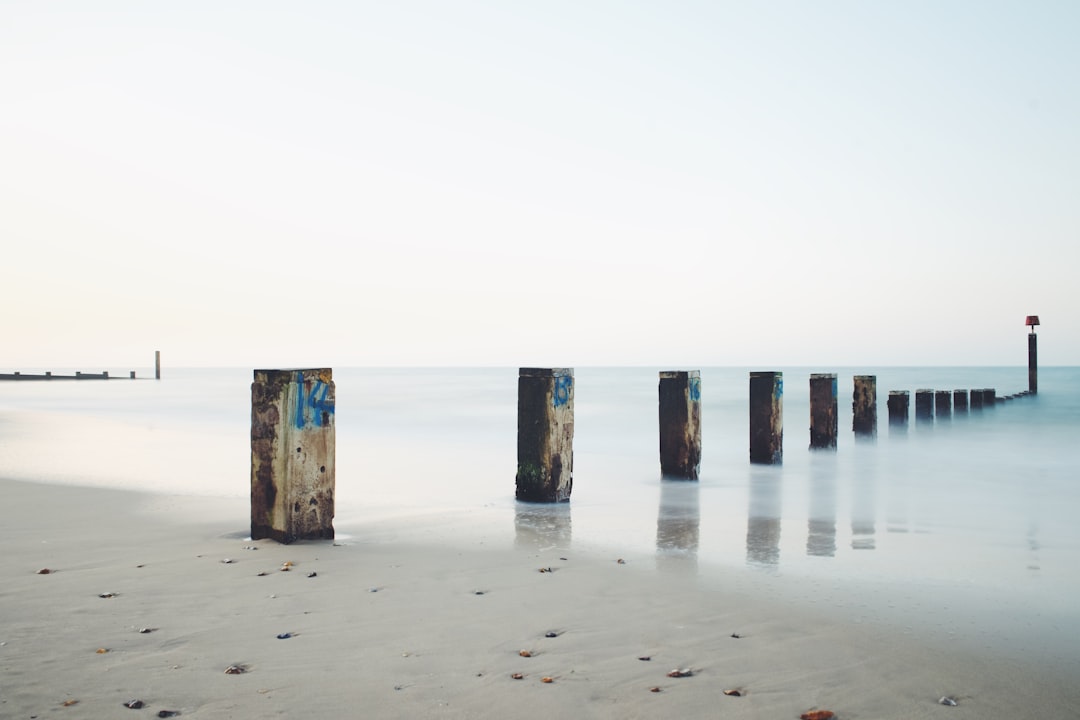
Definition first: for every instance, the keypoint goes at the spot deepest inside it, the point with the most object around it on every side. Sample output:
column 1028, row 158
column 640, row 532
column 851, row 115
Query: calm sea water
column 965, row 528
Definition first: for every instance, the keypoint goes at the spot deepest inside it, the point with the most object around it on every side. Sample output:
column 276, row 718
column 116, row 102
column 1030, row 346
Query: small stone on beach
column 621, row 561
column 284, row 636
column 547, row 679
column 312, row 574
column 524, row 653
column 44, row 571
column 146, row 630
column 517, row 676
column 167, row 713
column 235, row 670
column 133, row 704
column 551, row 634
column 680, row 673
column 645, row 658
column 108, row 595
column 733, row 693
column 654, row 689
column 951, row 702
column 818, row 715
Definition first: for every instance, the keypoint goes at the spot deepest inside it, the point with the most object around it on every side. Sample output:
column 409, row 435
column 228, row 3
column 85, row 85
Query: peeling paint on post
column 924, row 406
column 545, row 446
column 767, row 417
column 943, row 404
column 680, row 423
column 823, row 414
column 960, row 401
column 864, row 406
column 292, row 455
column 899, row 401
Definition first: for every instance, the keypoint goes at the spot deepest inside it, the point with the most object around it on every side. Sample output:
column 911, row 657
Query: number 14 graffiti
column 313, row 404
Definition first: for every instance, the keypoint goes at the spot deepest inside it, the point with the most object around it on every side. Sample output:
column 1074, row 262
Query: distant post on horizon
column 960, row 401
column 680, row 423
column 899, row 402
column 943, row 405
column 924, row 406
column 545, row 441
column 157, row 364
column 292, row 455
column 864, row 406
column 1033, row 354
column 767, row 417
column 823, row 413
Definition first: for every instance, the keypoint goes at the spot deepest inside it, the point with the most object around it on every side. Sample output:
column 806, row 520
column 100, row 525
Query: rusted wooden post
column 1033, row 354
column 864, row 406
column 899, row 401
column 767, row 417
column 157, row 364
column 292, row 454
column 680, row 423
column 924, row 406
column 943, row 404
column 823, row 415
column 545, row 443
column 960, row 401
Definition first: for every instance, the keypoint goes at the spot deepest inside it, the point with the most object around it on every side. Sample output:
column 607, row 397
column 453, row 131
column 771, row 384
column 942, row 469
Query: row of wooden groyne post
column 292, row 434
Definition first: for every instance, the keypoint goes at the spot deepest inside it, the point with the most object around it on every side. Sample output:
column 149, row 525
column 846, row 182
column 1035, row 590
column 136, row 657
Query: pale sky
column 682, row 184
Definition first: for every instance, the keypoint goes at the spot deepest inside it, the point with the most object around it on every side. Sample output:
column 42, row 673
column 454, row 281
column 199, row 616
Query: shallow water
column 965, row 527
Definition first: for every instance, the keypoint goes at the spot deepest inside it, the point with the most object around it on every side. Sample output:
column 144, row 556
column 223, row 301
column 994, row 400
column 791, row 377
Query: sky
column 557, row 183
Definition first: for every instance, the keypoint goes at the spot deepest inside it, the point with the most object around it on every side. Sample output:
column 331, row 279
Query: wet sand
column 413, row 618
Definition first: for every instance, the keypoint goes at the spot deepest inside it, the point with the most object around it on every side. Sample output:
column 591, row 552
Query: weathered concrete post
column 157, row 364
column 292, row 454
column 767, row 417
column 680, row 423
column 960, row 401
column 924, row 406
column 943, row 404
column 898, row 407
column 823, row 415
column 864, row 406
column 1033, row 355
column 545, row 445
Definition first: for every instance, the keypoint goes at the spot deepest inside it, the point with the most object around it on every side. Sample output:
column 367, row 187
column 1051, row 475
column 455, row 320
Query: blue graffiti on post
column 312, row 404
column 695, row 389
column 563, row 385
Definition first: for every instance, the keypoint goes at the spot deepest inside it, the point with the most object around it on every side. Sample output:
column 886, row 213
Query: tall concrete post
column 823, row 414
column 292, row 455
column 767, row 417
column 680, row 423
column 864, row 406
column 157, row 364
column 899, row 401
column 924, row 406
column 960, row 401
column 545, row 442
column 943, row 404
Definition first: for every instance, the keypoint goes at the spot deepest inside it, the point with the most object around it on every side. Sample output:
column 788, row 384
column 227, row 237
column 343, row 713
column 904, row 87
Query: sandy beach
column 407, row 619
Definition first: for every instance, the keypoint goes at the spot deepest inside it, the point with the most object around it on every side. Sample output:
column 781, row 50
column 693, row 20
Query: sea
column 964, row 529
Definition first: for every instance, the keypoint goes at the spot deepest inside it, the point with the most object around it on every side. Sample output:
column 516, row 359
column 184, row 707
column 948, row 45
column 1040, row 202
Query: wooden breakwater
column 77, row 376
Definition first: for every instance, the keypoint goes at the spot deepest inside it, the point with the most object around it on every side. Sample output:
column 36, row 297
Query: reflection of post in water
column 677, row 525
column 863, row 504
column 541, row 525
column 763, row 518
column 821, row 525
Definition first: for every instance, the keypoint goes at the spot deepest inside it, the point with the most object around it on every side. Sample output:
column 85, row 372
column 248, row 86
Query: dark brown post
column 864, row 406
column 1033, row 355
column 823, row 415
column 943, row 404
column 292, row 455
column 680, row 423
column 767, row 417
column 545, row 446
column 924, row 406
column 960, row 401
column 898, row 408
